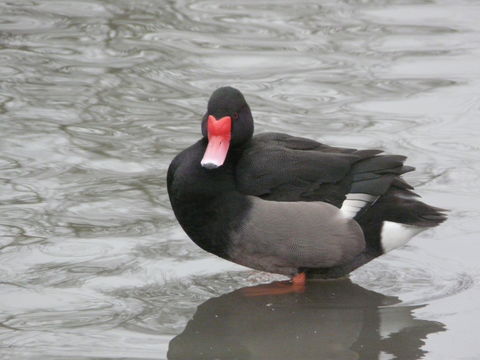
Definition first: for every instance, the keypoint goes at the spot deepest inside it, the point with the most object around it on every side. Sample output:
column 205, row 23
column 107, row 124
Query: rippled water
column 97, row 96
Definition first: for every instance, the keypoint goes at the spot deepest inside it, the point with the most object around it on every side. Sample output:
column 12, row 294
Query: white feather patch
column 395, row 234
column 356, row 202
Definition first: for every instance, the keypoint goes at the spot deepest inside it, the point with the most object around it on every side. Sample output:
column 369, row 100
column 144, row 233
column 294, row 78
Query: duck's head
column 228, row 123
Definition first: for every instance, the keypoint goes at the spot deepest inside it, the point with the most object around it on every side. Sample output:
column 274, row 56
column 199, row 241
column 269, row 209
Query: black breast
column 205, row 202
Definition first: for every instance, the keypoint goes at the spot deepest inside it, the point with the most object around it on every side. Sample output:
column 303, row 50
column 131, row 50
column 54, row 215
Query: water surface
column 96, row 97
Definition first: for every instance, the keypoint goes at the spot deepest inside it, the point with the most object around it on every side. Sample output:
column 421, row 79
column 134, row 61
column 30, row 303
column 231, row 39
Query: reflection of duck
column 329, row 320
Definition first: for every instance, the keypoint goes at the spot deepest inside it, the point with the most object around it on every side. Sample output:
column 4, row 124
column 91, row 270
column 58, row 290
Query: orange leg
column 297, row 285
column 299, row 279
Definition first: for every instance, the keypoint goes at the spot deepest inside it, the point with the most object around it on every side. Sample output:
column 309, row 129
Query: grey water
column 97, row 96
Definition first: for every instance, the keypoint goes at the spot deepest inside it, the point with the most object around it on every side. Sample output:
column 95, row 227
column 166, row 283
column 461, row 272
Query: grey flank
column 282, row 237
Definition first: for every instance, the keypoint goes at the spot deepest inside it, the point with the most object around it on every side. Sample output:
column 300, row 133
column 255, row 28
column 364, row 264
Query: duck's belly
column 281, row 237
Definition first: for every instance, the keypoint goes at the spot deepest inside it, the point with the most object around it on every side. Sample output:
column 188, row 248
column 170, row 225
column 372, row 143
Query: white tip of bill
column 209, row 165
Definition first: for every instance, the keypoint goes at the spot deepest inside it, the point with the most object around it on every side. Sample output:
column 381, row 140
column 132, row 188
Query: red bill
column 219, row 135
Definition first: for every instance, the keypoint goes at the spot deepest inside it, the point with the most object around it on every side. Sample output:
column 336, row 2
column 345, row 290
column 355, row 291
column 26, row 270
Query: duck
column 290, row 205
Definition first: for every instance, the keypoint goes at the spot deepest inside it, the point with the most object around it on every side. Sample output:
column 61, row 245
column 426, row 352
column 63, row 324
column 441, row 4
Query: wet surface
column 96, row 97
column 329, row 320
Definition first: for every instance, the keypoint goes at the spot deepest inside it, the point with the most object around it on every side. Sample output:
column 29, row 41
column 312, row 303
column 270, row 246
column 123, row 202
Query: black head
column 228, row 123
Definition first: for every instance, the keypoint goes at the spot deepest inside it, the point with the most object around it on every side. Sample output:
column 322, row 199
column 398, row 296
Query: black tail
column 392, row 199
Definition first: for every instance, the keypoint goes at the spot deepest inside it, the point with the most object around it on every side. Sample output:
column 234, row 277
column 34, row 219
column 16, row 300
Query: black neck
column 206, row 202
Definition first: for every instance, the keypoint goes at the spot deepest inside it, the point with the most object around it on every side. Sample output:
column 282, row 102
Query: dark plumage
column 285, row 204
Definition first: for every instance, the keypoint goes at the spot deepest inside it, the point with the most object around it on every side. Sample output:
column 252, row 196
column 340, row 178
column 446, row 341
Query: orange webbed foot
column 296, row 285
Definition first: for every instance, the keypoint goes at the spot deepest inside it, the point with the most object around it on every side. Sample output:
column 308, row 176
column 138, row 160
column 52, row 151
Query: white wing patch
column 395, row 234
column 356, row 202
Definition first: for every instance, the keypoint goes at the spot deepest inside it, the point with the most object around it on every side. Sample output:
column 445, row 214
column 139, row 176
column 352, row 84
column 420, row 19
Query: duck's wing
column 280, row 167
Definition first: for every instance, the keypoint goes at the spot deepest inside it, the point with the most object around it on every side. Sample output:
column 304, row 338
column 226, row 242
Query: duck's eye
column 235, row 116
